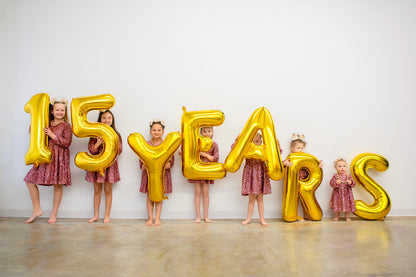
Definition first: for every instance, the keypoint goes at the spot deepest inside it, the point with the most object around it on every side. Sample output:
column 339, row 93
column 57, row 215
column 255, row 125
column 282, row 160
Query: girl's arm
column 65, row 139
column 215, row 153
column 352, row 184
column 170, row 163
column 91, row 146
column 333, row 182
column 120, row 145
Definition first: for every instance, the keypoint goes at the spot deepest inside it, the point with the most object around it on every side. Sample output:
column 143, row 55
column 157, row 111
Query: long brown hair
column 113, row 123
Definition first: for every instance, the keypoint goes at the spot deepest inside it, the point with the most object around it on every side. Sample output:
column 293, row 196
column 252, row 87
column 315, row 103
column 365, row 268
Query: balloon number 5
column 83, row 128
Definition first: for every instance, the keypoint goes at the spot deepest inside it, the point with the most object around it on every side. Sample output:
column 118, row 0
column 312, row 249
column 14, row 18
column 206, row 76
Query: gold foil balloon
column 155, row 159
column 244, row 147
column 381, row 205
column 305, row 189
column 83, row 128
column 193, row 143
column 38, row 107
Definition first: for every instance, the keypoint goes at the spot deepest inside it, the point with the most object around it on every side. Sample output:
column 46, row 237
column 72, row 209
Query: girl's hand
column 338, row 181
column 167, row 166
column 321, row 164
column 203, row 154
column 49, row 133
column 287, row 163
column 99, row 142
column 349, row 182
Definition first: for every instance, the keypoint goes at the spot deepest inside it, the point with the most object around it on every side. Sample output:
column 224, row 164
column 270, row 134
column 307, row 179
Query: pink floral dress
column 342, row 199
column 111, row 174
column 144, row 187
column 58, row 170
column 212, row 152
column 255, row 178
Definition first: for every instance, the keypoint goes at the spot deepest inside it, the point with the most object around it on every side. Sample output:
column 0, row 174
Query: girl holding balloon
column 297, row 145
column 157, row 128
column 111, row 174
column 57, row 172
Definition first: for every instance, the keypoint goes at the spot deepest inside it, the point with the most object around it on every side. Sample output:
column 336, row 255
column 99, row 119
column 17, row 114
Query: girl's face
column 257, row 140
column 207, row 132
column 341, row 167
column 297, row 147
column 58, row 111
column 156, row 131
column 107, row 118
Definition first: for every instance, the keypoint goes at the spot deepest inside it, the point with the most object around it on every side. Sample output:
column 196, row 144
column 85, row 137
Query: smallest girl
column 111, row 174
column 157, row 129
column 342, row 199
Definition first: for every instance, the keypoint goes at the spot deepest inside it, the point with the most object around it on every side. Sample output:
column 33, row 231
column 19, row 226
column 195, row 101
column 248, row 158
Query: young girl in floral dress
column 56, row 173
column 342, row 199
column 111, row 174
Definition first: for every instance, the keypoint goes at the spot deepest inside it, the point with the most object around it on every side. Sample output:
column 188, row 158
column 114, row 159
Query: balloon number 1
column 38, row 107
column 83, row 128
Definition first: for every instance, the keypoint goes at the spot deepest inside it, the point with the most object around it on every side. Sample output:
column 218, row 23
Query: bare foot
column 247, row 221
column 158, row 222
column 149, row 222
column 336, row 218
column 107, row 220
column 207, row 220
column 52, row 220
column 93, row 219
column 348, row 219
column 197, row 220
column 263, row 222
column 34, row 216
column 300, row 219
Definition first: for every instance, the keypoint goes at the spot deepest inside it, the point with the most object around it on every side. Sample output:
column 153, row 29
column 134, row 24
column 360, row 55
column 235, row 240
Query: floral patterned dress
column 255, row 178
column 111, row 174
column 58, row 170
column 342, row 199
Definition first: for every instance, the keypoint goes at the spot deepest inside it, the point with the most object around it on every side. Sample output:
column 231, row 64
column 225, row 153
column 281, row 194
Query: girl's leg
column 260, row 206
column 197, row 201
column 158, row 212
column 336, row 218
column 97, row 202
column 205, row 196
column 57, row 197
column 34, row 195
column 251, row 202
column 347, row 216
column 149, row 221
column 108, row 190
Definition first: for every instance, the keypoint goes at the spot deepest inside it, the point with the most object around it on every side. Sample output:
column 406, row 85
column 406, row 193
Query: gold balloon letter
column 305, row 189
column 381, row 205
column 155, row 159
column 244, row 147
column 38, row 107
column 83, row 128
column 193, row 143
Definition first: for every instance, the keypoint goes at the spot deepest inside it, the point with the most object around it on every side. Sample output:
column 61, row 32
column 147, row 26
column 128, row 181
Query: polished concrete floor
column 72, row 247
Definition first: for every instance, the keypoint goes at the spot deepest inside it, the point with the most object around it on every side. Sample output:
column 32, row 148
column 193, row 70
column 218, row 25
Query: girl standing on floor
column 157, row 128
column 212, row 155
column 111, row 174
column 56, row 173
column 297, row 145
column 255, row 184
column 342, row 199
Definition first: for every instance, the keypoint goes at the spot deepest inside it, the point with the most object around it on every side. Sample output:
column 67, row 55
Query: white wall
column 340, row 72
